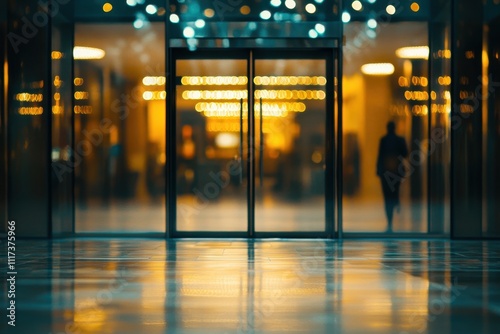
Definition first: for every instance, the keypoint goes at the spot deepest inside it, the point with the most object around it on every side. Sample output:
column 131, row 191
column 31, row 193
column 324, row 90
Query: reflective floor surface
column 263, row 286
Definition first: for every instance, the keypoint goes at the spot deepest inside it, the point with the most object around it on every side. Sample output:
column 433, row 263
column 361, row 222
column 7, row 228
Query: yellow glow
column 81, row 95
column 82, row 110
column 214, row 80
column 27, row 97
column 415, row 7
column 154, row 81
column 56, row 55
column 232, row 109
column 413, row 52
column 57, row 96
column 57, row 81
column 78, row 81
column 245, row 10
column 446, row 54
column 209, row 12
column 416, row 95
column 107, row 7
column 31, row 111
column 57, row 110
column 227, row 140
column 444, row 80
column 154, row 95
column 290, row 80
column 85, row 52
column 378, row 69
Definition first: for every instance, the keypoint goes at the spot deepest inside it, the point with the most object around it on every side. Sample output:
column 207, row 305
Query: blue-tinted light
column 275, row 3
column 265, row 15
column 138, row 23
column 199, row 23
column 372, row 23
column 313, row 33
column 174, row 18
column 151, row 9
column 290, row 4
column 346, row 17
column 320, row 28
column 188, row 32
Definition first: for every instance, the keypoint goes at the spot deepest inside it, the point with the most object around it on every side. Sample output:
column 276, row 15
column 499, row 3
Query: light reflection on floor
column 235, row 286
column 230, row 214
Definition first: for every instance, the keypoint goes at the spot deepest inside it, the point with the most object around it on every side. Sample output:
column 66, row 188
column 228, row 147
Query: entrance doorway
column 254, row 153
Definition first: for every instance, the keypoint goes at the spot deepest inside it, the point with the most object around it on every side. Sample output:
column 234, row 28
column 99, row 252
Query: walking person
column 392, row 150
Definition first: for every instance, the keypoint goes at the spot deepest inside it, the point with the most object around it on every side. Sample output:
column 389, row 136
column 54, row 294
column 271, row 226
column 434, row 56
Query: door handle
column 261, row 140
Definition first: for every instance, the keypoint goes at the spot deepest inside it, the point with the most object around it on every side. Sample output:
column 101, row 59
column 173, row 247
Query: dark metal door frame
column 330, row 55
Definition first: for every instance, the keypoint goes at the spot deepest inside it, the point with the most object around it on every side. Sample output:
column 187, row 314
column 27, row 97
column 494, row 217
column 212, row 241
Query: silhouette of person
column 392, row 150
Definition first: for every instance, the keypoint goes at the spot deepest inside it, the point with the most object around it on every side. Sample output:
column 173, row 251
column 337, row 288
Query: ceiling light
column 357, row 5
column 346, row 17
column 290, row 4
column 151, row 9
column 265, row 15
column 310, row 8
column 320, row 28
column 413, row 52
column 85, row 52
column 174, row 18
column 391, row 10
column 188, row 32
column 377, row 69
column 131, row 3
column 199, row 23
column 107, row 7
column 415, row 7
column 313, row 33
column 275, row 3
column 371, row 23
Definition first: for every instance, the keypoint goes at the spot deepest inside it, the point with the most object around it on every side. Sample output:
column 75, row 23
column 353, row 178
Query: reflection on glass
column 120, row 122
column 370, row 101
column 211, row 111
column 290, row 113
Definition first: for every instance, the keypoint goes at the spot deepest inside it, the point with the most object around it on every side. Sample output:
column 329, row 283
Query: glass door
column 211, row 124
column 291, row 108
column 259, row 173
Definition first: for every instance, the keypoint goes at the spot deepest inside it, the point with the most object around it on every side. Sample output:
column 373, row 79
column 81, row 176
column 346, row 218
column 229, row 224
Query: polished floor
column 263, row 286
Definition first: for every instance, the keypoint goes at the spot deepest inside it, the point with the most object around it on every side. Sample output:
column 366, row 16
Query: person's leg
column 386, row 190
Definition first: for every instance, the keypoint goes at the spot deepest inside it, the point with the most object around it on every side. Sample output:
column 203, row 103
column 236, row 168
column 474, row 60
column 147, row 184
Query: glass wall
column 62, row 171
column 491, row 68
column 385, row 82
column 3, row 116
column 120, row 119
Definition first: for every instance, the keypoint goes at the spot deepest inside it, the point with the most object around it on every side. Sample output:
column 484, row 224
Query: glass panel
column 211, row 189
column 290, row 144
column 120, row 117
column 397, row 92
column 62, row 123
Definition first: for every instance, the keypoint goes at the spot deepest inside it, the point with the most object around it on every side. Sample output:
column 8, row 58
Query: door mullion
column 251, row 147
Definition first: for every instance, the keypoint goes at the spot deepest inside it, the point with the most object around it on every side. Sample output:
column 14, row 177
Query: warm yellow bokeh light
column 209, row 12
column 245, row 10
column 107, row 7
column 415, row 7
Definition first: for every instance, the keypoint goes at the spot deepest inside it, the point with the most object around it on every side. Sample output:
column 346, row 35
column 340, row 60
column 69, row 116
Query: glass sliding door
column 290, row 137
column 211, row 119
column 251, row 131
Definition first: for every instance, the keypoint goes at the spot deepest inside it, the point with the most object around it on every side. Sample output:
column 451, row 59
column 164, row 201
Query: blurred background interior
column 111, row 104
